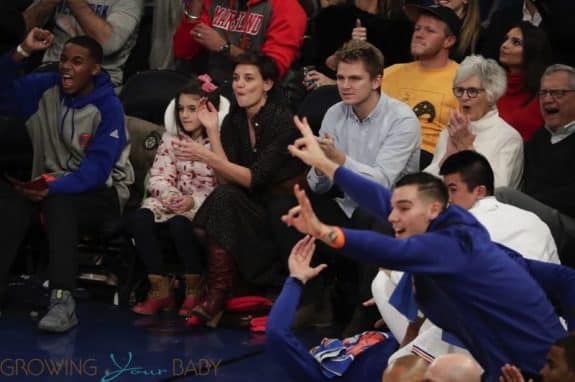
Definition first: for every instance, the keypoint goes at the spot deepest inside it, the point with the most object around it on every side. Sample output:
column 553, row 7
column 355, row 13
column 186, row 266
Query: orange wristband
column 336, row 238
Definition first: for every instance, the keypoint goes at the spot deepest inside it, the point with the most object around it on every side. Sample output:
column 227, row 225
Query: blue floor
column 113, row 344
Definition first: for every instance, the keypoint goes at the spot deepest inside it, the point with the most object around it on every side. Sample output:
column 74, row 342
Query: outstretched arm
column 431, row 253
column 367, row 193
column 284, row 347
column 558, row 282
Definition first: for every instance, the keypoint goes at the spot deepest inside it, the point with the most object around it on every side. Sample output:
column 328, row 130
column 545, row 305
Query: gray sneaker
column 61, row 316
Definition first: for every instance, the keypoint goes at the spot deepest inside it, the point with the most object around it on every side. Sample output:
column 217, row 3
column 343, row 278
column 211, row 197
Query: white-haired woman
column 478, row 84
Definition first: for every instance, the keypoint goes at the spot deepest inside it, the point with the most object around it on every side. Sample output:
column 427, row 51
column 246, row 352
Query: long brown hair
column 470, row 27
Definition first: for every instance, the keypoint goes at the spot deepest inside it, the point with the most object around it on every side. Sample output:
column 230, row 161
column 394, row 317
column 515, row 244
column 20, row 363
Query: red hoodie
column 276, row 27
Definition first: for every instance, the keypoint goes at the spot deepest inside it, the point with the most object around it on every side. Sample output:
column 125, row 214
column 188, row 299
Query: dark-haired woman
column 525, row 54
column 251, row 160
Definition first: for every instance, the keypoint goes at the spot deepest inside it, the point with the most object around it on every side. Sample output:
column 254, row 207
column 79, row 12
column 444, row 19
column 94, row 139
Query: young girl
column 177, row 189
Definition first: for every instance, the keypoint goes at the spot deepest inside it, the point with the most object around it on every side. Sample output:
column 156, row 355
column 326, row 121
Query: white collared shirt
column 518, row 229
column 534, row 19
column 382, row 147
column 562, row 132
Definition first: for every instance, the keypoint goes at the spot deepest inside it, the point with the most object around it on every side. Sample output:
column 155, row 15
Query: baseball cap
column 445, row 14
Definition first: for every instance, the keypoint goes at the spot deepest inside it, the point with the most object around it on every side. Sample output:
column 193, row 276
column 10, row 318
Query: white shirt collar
column 562, row 132
column 535, row 19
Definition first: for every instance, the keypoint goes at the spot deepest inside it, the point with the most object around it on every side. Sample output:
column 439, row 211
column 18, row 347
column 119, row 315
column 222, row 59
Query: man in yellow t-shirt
column 426, row 83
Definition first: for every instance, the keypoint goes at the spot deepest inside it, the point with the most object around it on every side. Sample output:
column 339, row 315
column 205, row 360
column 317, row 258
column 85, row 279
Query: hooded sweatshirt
column 464, row 283
column 274, row 27
column 81, row 141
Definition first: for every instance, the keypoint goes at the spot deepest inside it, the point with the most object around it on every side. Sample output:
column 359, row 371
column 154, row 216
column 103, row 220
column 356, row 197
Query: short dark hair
column 93, row 46
column 359, row 50
column 429, row 186
column 266, row 65
column 567, row 343
column 473, row 168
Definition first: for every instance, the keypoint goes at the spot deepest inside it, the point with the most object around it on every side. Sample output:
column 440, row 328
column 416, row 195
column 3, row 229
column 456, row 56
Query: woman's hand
column 359, row 32
column 459, row 131
column 300, row 258
column 208, row 116
column 191, row 150
column 315, row 79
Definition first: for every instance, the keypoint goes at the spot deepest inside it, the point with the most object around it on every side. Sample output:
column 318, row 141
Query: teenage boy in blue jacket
column 463, row 282
column 76, row 125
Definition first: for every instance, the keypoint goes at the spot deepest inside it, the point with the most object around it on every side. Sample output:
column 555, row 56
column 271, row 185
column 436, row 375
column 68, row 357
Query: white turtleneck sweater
column 495, row 139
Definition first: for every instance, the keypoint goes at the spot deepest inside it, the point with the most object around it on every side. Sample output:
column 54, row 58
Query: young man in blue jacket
column 463, row 282
column 77, row 128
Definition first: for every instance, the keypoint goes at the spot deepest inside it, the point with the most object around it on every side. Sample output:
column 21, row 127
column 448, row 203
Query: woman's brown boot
column 193, row 294
column 160, row 296
column 220, row 282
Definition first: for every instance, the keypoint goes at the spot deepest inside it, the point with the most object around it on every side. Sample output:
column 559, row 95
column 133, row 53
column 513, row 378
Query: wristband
column 22, row 52
column 336, row 238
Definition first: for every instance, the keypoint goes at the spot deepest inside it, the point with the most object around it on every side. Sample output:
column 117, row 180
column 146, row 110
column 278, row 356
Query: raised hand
column 208, row 116
column 359, row 32
column 459, row 130
column 309, row 151
column 300, row 258
column 327, row 144
column 302, row 217
column 37, row 40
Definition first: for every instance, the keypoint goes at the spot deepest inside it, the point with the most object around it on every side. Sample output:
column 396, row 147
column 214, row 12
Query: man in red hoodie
column 224, row 29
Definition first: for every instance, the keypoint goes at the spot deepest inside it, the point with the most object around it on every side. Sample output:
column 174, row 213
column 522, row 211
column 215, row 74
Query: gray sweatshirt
column 124, row 17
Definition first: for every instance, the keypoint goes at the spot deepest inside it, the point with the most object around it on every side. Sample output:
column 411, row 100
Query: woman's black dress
column 236, row 217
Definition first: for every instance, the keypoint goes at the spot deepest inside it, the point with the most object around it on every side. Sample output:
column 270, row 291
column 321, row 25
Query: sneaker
column 61, row 316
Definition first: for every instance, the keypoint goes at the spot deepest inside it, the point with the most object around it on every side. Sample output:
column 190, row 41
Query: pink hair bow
column 207, row 84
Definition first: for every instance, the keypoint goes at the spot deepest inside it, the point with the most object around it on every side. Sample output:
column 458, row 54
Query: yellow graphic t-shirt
column 427, row 91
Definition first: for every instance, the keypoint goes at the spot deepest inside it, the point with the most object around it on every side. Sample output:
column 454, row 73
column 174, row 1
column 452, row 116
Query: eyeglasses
column 555, row 93
column 471, row 92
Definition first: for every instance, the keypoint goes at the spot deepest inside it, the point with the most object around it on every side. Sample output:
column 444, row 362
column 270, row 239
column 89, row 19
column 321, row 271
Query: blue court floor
column 113, row 344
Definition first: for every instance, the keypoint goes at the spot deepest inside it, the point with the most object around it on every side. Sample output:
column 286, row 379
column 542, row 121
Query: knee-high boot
column 220, row 279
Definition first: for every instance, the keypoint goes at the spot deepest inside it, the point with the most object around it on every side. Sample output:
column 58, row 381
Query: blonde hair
column 470, row 26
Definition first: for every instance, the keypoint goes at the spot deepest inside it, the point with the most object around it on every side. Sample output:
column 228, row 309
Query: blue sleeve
column 101, row 154
column 370, row 195
column 558, row 282
column 287, row 350
column 19, row 96
column 428, row 253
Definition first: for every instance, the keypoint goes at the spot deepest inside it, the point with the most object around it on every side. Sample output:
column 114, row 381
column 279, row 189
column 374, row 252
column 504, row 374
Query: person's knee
column 226, row 194
column 180, row 225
